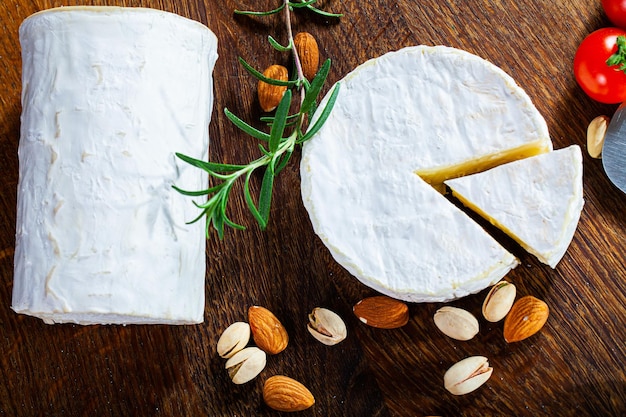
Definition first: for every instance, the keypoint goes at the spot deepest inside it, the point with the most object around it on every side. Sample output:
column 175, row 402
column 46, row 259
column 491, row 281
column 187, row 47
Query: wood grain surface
column 574, row 367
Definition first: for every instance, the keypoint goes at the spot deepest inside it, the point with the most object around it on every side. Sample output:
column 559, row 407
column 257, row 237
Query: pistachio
column 326, row 326
column 595, row 135
column 246, row 364
column 235, row 337
column 456, row 323
column 467, row 375
column 499, row 301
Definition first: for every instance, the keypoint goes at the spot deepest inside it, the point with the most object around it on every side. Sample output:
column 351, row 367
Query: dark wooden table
column 574, row 366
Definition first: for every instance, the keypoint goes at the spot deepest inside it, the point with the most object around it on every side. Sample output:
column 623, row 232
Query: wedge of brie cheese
column 537, row 201
column 109, row 95
column 403, row 123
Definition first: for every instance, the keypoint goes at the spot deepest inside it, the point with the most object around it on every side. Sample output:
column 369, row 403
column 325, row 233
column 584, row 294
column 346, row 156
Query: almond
column 308, row 53
column 527, row 317
column 382, row 312
column 269, row 94
column 286, row 394
column 267, row 331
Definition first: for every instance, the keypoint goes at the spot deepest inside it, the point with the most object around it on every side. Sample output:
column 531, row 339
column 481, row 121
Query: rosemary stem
column 285, row 145
column 296, row 59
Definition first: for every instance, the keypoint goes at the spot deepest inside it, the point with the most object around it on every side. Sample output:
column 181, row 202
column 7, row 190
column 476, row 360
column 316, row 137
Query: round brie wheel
column 372, row 176
column 109, row 94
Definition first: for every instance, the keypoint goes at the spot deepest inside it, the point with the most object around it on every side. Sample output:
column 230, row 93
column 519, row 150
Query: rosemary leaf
column 292, row 119
column 260, row 76
column 267, row 13
column 313, row 92
column 323, row 116
column 196, row 193
column 282, row 162
column 278, row 46
column 322, row 12
column 263, row 150
column 280, row 120
column 201, row 216
column 209, row 206
column 301, row 4
column 255, row 133
column 195, row 162
column 223, row 204
column 265, row 197
column 251, row 206
column 234, row 225
column 218, row 223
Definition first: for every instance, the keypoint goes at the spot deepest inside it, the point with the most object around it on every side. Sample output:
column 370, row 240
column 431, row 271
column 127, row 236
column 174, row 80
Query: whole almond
column 267, row 331
column 382, row 312
column 308, row 52
column 269, row 94
column 286, row 394
column 527, row 317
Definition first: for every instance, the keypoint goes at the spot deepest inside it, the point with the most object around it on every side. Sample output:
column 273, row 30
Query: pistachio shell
column 235, row 337
column 467, row 375
column 326, row 326
column 499, row 301
column 246, row 364
column 596, row 131
column 456, row 323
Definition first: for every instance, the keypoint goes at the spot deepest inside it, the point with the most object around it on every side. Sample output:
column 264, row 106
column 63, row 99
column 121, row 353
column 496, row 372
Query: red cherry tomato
column 616, row 12
column 601, row 82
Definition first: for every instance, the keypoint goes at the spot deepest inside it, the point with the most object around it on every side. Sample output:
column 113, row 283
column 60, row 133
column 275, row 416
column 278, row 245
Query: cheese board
column 573, row 366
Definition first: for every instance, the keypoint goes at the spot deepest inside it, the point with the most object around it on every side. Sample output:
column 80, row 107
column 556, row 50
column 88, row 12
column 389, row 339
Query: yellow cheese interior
column 436, row 176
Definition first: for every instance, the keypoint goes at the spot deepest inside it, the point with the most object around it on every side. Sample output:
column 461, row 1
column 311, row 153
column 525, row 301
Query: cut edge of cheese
column 545, row 190
column 437, row 176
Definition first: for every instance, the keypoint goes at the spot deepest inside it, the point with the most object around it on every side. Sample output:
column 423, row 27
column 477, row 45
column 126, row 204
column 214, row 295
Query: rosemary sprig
column 291, row 5
column 286, row 132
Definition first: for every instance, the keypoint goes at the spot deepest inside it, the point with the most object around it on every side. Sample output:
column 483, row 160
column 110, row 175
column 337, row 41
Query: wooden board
column 575, row 366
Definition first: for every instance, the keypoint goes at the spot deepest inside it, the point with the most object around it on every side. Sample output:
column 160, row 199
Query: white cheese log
column 109, row 95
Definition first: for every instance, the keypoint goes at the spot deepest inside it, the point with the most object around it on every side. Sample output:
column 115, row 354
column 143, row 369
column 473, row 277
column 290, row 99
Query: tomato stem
column 619, row 57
